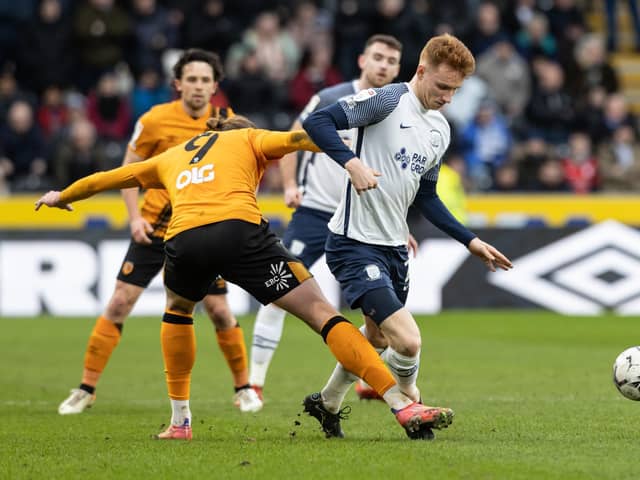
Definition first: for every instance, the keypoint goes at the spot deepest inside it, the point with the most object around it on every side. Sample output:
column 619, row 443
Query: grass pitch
column 532, row 393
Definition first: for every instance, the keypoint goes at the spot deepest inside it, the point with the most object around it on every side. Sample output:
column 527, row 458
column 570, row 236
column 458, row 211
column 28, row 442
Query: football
column 626, row 373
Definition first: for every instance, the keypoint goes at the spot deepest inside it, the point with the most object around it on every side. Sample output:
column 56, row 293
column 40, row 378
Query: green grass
column 532, row 393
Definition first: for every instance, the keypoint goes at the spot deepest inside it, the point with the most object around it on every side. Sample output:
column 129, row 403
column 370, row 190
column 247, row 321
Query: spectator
column 398, row 19
column 550, row 178
column 13, row 14
column 102, row 32
column 309, row 22
column 252, row 94
column 535, row 40
column 518, row 14
column 485, row 145
column 149, row 90
column 275, row 50
column 316, row 73
column 550, row 111
column 567, row 25
column 508, row 77
column 352, row 28
column 23, row 150
column 153, row 34
column 507, row 178
column 452, row 16
column 580, row 165
column 110, row 113
column 10, row 92
column 53, row 115
column 616, row 114
column 591, row 68
column 211, row 28
column 108, row 110
column 529, row 156
column 79, row 154
column 487, row 29
column 466, row 102
column 45, row 43
column 590, row 114
column 619, row 161
column 452, row 185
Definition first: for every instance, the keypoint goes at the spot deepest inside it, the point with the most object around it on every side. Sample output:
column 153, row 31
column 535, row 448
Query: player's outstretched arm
column 135, row 175
column 491, row 256
column 276, row 144
column 52, row 199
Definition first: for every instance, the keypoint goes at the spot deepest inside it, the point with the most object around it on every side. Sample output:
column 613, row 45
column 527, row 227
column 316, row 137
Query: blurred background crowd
column 545, row 111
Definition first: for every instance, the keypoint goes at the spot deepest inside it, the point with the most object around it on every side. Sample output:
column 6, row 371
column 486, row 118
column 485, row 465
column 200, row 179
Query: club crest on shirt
column 435, row 138
column 361, row 96
column 372, row 271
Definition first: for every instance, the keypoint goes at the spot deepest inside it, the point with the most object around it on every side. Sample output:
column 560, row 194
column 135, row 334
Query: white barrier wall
column 575, row 271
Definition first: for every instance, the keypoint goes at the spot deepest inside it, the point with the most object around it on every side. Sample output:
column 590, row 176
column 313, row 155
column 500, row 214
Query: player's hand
column 412, row 246
column 490, row 255
column 140, row 230
column 292, row 197
column 52, row 199
column 362, row 177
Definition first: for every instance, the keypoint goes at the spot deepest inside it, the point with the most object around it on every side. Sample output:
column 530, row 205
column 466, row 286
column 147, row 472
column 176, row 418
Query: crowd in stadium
column 544, row 112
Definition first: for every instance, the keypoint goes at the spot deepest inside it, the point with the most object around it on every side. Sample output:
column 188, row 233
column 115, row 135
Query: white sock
column 180, row 413
column 336, row 388
column 405, row 371
column 396, row 399
column 267, row 332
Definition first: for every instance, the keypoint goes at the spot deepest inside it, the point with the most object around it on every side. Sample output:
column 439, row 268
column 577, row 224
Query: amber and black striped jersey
column 211, row 178
column 163, row 127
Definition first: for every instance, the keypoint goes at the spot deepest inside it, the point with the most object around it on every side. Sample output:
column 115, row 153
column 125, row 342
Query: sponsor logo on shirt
column 416, row 162
column 195, row 175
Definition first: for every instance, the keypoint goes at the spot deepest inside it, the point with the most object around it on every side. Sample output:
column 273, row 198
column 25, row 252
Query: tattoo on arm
column 299, row 137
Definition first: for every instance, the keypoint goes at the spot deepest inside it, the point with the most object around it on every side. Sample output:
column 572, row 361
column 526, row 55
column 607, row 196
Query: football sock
column 231, row 342
column 180, row 413
column 339, row 383
column 267, row 332
column 405, row 371
column 103, row 339
column 336, row 388
column 396, row 399
column 356, row 354
column 178, row 340
column 363, row 330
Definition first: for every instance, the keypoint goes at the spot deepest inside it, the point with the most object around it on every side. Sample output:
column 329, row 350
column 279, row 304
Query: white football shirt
column 404, row 141
column 320, row 178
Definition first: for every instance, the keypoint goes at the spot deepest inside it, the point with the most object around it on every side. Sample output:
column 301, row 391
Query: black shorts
column 249, row 255
column 143, row 262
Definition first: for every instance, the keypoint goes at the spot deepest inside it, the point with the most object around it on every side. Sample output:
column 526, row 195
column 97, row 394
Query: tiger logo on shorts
column 127, row 268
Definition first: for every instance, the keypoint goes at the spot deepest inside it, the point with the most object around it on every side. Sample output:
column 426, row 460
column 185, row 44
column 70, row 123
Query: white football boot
column 77, row 402
column 247, row 400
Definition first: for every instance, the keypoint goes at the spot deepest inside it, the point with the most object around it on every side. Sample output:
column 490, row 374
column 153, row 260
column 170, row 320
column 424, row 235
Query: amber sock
column 178, row 340
column 103, row 339
column 232, row 345
column 356, row 354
